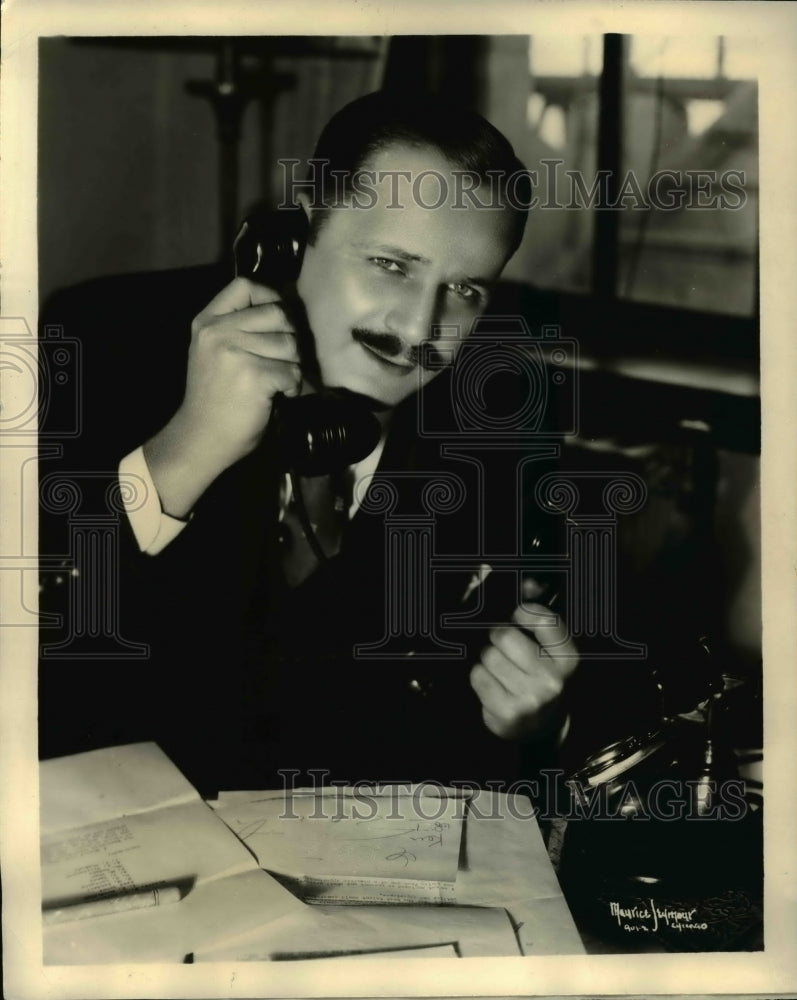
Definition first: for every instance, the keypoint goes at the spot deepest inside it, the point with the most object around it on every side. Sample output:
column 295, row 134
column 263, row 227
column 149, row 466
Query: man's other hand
column 243, row 351
column 521, row 674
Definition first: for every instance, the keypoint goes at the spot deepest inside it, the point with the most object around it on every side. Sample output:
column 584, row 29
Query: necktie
column 326, row 505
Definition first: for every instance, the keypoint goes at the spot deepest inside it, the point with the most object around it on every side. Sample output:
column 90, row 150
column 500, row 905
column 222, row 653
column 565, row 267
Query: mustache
column 425, row 355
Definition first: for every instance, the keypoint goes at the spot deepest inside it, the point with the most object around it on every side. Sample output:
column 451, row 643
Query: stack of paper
column 329, row 932
column 373, row 848
column 477, row 849
column 351, row 846
column 135, row 867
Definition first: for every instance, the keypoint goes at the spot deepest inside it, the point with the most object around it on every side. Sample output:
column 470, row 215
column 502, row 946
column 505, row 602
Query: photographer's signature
column 648, row 917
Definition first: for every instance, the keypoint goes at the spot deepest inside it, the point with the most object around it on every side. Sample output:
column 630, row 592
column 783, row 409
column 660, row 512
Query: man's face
column 379, row 280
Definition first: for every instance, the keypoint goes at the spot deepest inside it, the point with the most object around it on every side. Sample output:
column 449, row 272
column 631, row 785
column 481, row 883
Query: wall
column 123, row 147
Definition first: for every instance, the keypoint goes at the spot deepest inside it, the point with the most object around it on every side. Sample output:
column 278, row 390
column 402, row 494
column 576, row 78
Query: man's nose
column 413, row 314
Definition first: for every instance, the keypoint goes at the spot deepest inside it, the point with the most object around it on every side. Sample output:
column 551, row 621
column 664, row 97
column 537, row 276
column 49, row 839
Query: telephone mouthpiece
column 326, row 431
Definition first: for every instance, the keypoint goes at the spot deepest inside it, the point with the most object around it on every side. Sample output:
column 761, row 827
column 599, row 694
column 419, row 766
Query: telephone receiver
column 325, row 431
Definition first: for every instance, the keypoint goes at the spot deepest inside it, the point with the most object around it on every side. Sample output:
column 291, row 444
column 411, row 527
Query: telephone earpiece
column 270, row 245
column 326, row 431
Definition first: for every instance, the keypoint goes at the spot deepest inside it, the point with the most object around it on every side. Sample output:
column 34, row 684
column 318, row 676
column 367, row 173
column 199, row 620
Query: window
column 690, row 134
column 562, row 125
column 674, row 122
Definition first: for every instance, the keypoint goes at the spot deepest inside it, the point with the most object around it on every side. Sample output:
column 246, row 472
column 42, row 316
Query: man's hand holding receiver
column 521, row 674
column 243, row 351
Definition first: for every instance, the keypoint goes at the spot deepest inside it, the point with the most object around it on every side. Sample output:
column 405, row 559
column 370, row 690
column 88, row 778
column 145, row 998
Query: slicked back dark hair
column 468, row 141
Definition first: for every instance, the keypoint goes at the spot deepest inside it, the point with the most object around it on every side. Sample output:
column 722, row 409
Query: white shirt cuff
column 153, row 529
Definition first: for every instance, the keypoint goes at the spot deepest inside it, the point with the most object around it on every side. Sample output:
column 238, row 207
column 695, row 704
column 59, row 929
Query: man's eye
column 392, row 266
column 466, row 292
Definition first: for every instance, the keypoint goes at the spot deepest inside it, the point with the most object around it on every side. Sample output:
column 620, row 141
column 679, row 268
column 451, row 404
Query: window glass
column 557, row 140
column 690, row 140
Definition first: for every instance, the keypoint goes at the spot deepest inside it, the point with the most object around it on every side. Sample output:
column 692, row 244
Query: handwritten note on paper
column 369, row 849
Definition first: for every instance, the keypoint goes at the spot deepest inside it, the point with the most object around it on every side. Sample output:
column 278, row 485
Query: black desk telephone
column 328, row 430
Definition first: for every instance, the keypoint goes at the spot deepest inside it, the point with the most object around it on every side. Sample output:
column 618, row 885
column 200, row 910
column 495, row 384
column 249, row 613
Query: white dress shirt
column 154, row 529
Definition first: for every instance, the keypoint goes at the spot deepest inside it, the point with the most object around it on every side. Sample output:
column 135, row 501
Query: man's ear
column 305, row 203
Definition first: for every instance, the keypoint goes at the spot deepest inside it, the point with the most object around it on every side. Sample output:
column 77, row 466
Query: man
column 398, row 265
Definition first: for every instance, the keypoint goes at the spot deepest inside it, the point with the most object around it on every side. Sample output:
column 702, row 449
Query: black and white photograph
column 398, row 495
